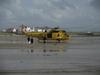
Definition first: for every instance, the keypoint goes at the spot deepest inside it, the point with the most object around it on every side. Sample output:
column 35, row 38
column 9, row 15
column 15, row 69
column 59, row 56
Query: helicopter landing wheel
column 58, row 40
column 44, row 39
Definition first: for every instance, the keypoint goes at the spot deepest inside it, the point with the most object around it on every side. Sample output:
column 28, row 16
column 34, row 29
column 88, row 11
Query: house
column 11, row 30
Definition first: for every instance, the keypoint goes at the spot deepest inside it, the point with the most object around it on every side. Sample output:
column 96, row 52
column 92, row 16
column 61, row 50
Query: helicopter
column 52, row 34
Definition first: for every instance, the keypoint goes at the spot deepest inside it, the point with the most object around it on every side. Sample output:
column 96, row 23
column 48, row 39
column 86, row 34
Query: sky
column 74, row 15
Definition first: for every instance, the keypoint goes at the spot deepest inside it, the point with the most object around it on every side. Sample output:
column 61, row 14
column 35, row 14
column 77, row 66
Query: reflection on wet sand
column 48, row 48
column 78, row 56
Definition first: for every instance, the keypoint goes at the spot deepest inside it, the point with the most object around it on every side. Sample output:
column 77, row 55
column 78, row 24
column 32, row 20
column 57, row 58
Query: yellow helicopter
column 53, row 34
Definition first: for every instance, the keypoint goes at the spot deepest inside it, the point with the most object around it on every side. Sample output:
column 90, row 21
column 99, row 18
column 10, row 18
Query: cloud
column 13, row 11
column 67, row 13
column 45, row 9
column 61, row 4
column 96, row 4
column 53, row 10
column 8, row 8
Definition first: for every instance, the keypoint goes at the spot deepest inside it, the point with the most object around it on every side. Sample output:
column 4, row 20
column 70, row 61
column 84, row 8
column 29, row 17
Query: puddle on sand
column 42, row 49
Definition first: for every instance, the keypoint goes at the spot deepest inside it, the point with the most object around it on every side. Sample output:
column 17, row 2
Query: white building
column 14, row 30
column 33, row 29
column 28, row 29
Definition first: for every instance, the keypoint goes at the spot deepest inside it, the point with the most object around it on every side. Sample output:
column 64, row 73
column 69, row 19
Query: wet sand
column 78, row 56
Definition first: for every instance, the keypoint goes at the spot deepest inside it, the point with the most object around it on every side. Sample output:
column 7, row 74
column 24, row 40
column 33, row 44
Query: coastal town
column 24, row 28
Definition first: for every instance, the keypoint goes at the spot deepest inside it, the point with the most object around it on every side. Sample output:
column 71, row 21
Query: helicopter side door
column 49, row 35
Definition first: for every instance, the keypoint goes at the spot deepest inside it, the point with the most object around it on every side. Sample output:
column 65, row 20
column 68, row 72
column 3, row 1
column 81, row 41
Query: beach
column 77, row 56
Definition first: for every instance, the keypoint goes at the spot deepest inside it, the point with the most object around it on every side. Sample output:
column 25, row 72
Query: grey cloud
column 49, row 12
column 5, row 1
column 53, row 9
column 7, row 6
column 96, row 4
column 62, row 4
column 8, row 3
